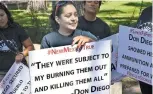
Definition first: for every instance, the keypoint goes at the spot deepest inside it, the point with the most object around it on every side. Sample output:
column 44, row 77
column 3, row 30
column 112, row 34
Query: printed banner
column 63, row 70
column 135, row 53
column 115, row 76
column 16, row 81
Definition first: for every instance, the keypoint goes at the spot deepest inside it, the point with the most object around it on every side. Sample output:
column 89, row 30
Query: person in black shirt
column 89, row 21
column 145, row 23
column 15, row 37
column 145, row 20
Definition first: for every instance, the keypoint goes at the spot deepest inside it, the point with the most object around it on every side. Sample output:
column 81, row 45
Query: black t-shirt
column 55, row 39
column 145, row 23
column 145, row 20
column 15, row 35
column 98, row 27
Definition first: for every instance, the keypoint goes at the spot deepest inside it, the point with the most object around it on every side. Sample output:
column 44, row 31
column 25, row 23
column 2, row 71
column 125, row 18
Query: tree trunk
column 36, row 5
column 53, row 4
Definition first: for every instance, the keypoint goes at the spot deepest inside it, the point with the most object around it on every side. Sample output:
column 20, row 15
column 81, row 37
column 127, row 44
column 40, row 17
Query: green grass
column 121, row 13
column 25, row 18
column 115, row 13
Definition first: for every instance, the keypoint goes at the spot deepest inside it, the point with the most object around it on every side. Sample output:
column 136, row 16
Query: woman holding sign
column 66, row 19
column 12, row 38
column 145, row 23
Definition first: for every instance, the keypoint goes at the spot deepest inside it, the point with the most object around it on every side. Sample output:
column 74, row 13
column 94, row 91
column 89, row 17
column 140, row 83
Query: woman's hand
column 80, row 41
column 19, row 57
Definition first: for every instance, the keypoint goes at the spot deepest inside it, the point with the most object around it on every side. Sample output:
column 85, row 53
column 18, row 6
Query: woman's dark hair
column 10, row 19
column 57, row 11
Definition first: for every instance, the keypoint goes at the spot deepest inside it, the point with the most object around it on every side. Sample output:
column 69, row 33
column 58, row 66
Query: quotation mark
column 33, row 64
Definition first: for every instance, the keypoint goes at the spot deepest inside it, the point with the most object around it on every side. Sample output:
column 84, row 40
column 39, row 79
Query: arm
column 28, row 47
column 89, row 35
column 25, row 40
column 44, row 43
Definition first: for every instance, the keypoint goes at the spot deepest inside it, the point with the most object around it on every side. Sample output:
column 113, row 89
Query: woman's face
column 3, row 19
column 68, row 18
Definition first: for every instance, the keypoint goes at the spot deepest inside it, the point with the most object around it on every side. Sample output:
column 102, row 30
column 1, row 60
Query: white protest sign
column 115, row 76
column 63, row 70
column 135, row 53
column 16, row 81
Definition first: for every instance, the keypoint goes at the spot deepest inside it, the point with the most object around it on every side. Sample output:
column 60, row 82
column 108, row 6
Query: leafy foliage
column 37, row 23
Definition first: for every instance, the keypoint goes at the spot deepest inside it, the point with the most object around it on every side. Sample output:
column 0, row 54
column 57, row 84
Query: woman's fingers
column 75, row 40
column 79, row 44
column 83, row 43
column 19, row 57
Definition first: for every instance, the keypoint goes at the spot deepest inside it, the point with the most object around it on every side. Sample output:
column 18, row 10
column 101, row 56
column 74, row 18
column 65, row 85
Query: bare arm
column 28, row 47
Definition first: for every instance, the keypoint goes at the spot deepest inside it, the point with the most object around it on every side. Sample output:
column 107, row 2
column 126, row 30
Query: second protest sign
column 135, row 54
